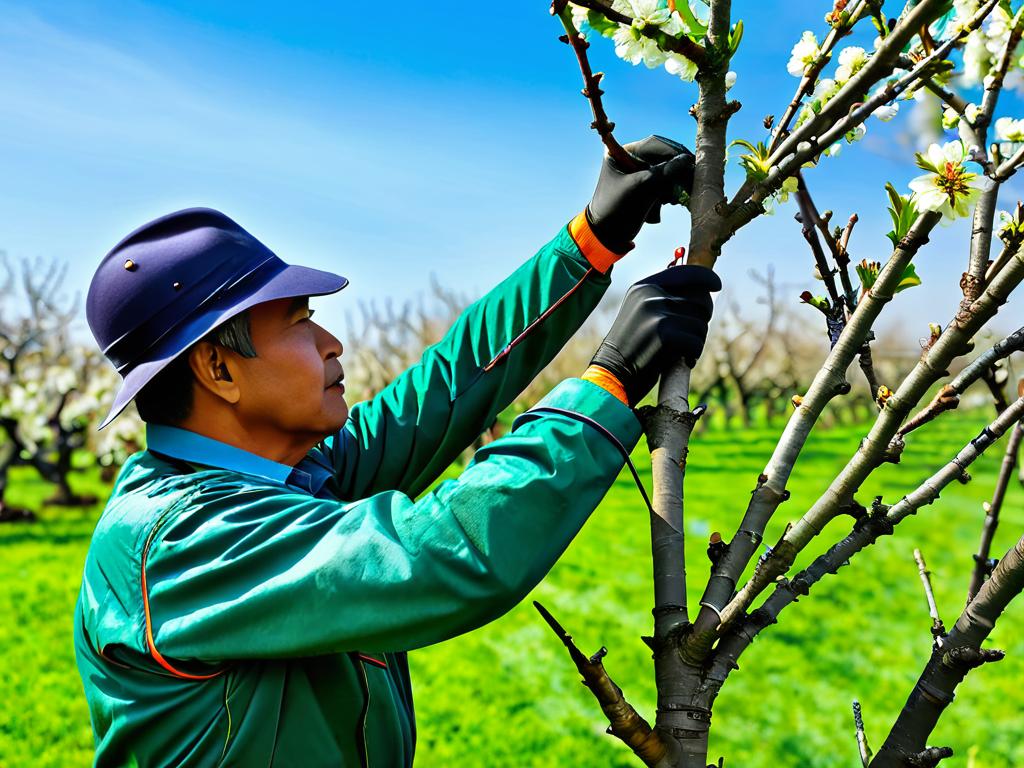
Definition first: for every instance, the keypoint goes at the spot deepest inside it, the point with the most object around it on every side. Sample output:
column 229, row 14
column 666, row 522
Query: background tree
column 53, row 390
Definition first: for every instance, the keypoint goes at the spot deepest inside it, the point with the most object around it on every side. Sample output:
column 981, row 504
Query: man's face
column 294, row 384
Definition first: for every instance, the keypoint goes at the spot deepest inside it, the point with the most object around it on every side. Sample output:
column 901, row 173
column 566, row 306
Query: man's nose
column 329, row 344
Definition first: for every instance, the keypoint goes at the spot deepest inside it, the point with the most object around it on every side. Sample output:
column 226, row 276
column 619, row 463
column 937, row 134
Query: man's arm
column 403, row 438
column 409, row 433
column 261, row 572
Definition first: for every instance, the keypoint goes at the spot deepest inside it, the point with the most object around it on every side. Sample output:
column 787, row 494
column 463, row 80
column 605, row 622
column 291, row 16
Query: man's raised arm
column 409, row 433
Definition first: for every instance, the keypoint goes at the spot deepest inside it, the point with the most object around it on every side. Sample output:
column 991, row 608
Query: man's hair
column 167, row 398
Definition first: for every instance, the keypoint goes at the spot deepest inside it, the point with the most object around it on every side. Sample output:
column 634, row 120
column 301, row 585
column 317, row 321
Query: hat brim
column 291, row 282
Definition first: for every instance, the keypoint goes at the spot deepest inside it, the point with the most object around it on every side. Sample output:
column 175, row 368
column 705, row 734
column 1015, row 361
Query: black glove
column 663, row 318
column 623, row 201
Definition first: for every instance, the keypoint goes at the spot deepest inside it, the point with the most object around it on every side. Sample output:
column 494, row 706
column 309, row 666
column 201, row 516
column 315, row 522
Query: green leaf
column 756, row 161
column 902, row 212
column 734, row 37
column 694, row 27
column 597, row 22
column 867, row 271
column 908, row 280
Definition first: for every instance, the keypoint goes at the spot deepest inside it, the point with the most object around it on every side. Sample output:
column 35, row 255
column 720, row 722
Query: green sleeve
column 410, row 432
column 259, row 572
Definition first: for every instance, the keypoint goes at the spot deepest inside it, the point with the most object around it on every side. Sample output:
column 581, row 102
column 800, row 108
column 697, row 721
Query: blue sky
column 381, row 146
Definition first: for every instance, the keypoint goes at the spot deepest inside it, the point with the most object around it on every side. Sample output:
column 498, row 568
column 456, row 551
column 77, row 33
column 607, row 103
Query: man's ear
column 211, row 366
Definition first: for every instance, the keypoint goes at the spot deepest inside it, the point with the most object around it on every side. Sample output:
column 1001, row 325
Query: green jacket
column 237, row 612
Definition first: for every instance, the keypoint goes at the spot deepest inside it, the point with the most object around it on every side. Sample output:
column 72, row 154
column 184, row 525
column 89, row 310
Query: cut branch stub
column 625, row 723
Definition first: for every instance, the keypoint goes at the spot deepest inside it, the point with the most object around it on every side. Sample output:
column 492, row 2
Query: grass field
column 507, row 695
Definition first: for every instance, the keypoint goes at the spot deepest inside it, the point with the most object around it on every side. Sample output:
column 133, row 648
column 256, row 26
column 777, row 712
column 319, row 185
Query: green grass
column 507, row 695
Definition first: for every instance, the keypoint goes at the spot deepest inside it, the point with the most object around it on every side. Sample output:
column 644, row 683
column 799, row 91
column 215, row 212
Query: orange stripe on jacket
column 607, row 381
column 150, row 643
column 597, row 254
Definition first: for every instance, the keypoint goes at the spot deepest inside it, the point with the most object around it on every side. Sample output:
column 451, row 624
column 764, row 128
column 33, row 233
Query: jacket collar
column 308, row 476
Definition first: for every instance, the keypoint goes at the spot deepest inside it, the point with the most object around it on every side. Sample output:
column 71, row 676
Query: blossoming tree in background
column 52, row 391
column 964, row 54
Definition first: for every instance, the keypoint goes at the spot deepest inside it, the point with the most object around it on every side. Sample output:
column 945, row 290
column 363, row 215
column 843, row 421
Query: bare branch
column 938, row 629
column 866, row 531
column 982, row 564
column 948, row 397
column 771, row 489
column 862, row 740
column 592, row 91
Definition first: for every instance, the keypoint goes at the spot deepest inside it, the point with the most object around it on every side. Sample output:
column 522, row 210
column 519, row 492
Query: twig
column 625, row 723
column 995, row 387
column 810, row 76
column 948, row 398
column 982, row 564
column 938, row 628
column 862, row 739
column 810, row 219
column 592, row 91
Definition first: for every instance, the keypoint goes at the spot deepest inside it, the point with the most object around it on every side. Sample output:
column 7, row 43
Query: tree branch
column 949, row 664
column 938, row 628
column 625, row 723
column 948, row 398
column 592, row 91
column 770, row 492
column 810, row 77
column 866, row 530
column 982, row 564
column 875, row 449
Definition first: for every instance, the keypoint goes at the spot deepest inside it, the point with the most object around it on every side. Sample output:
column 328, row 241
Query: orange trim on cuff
column 607, row 381
column 597, row 254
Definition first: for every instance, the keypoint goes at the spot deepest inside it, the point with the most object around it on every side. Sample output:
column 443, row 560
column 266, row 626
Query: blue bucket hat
column 173, row 280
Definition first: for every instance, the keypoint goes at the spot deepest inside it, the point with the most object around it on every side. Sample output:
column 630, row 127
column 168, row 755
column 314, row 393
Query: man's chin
column 336, row 417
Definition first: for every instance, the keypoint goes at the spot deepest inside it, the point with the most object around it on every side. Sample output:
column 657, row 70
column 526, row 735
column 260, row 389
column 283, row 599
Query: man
column 260, row 570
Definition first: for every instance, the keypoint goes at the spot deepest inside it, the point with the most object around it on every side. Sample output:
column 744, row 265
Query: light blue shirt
column 308, row 475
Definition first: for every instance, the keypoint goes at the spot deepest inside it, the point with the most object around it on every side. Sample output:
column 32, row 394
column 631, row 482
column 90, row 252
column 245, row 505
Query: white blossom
column 646, row 12
column 851, row 60
column 1008, row 129
column 730, row 79
column 886, row 112
column 804, row 54
column 856, row 133
column 681, row 66
column 947, row 187
column 635, row 48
